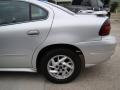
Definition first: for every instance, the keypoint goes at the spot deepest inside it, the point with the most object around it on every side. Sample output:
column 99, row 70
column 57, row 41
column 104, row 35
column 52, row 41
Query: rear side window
column 38, row 13
column 13, row 11
column 17, row 11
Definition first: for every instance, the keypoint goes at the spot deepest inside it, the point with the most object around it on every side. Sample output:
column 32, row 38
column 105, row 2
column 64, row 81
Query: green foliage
column 114, row 6
column 115, row 0
column 106, row 1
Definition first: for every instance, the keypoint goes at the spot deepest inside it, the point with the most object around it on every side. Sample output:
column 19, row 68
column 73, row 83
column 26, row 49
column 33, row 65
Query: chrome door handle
column 33, row 32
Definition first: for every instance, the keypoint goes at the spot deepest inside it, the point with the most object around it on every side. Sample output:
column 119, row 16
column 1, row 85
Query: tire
column 70, row 70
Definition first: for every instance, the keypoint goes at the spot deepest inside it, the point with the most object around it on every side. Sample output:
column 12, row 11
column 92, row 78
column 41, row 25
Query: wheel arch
column 64, row 46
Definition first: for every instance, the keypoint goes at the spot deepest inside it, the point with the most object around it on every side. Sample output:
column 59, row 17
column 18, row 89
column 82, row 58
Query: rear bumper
column 98, row 51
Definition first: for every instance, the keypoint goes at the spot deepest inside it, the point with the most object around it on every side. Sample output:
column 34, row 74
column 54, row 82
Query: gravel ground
column 105, row 76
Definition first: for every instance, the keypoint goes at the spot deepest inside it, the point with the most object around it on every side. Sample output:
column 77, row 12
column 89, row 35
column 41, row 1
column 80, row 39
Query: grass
column 115, row 0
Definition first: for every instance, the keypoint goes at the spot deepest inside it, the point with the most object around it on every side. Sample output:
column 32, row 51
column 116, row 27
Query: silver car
column 42, row 37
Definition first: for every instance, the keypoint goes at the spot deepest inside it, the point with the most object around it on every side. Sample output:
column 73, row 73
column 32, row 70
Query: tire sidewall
column 75, row 58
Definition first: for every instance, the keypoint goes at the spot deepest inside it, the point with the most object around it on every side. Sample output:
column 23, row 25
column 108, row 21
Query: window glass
column 13, row 12
column 38, row 13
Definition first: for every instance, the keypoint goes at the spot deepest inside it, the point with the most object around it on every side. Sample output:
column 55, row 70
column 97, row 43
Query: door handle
column 33, row 32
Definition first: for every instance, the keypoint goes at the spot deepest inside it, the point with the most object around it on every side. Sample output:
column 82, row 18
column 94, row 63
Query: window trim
column 38, row 7
column 30, row 18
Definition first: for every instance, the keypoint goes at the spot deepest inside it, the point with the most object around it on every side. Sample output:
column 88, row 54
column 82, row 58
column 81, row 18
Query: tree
column 114, row 6
column 106, row 2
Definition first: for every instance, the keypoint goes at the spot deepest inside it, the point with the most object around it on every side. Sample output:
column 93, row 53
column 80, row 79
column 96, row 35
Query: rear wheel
column 61, row 65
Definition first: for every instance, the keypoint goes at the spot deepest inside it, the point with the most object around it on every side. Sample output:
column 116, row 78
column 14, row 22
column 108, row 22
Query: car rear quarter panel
column 77, row 28
column 71, row 29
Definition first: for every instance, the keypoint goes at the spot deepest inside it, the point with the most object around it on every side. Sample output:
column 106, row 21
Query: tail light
column 105, row 29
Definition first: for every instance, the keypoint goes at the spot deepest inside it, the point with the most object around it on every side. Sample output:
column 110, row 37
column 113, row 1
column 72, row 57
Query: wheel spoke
column 53, row 62
column 52, row 66
column 53, row 71
column 67, row 65
column 66, row 72
column 62, row 59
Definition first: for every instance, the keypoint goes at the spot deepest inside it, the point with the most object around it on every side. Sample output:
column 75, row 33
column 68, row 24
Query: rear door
column 23, row 27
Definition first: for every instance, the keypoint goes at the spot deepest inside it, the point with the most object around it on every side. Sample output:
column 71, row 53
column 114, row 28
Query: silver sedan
column 42, row 37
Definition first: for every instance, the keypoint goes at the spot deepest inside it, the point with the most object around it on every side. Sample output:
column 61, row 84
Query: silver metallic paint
column 19, row 50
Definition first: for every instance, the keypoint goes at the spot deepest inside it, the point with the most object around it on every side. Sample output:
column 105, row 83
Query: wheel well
column 56, row 46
